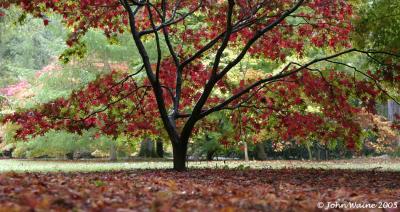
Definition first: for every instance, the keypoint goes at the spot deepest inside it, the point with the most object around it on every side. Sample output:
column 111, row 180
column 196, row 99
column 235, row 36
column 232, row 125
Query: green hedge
column 58, row 144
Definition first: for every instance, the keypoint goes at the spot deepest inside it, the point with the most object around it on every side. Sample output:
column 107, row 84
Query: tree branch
column 226, row 37
column 169, row 22
column 369, row 77
column 283, row 74
column 196, row 113
column 257, row 36
column 157, row 89
column 159, row 52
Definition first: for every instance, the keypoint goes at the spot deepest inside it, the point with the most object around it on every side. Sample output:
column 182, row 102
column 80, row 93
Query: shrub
column 207, row 146
column 396, row 153
column 9, row 131
column 61, row 144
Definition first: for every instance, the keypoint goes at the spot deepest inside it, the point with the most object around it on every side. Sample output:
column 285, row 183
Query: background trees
column 377, row 28
column 23, row 53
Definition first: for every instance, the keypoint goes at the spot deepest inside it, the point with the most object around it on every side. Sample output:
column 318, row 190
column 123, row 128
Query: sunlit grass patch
column 14, row 165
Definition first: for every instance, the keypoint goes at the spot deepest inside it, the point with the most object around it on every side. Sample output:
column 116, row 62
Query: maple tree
column 194, row 80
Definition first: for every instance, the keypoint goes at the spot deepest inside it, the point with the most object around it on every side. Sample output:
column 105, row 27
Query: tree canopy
column 309, row 89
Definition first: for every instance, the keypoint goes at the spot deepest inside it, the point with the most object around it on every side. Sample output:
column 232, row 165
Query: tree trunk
column 210, row 155
column 246, row 151
column 160, row 148
column 309, row 151
column 69, row 156
column 113, row 152
column 326, row 154
column 180, row 152
column 147, row 148
column 393, row 109
column 260, row 151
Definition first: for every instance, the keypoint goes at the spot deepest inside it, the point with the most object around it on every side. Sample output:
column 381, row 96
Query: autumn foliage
column 115, row 104
column 200, row 190
column 194, row 81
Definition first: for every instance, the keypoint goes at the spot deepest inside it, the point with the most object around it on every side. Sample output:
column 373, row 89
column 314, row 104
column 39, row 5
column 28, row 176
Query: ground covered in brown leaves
column 195, row 190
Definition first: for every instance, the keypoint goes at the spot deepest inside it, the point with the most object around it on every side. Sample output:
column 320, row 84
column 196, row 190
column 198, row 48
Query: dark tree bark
column 326, row 154
column 70, row 156
column 7, row 153
column 180, row 153
column 210, row 155
column 160, row 148
column 260, row 151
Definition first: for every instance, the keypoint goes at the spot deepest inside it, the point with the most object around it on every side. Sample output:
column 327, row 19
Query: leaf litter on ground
column 195, row 190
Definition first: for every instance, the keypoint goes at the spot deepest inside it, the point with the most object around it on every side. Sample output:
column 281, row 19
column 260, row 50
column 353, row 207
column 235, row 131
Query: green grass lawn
column 13, row 165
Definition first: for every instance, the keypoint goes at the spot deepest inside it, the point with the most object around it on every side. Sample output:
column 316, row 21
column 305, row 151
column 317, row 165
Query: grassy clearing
column 12, row 165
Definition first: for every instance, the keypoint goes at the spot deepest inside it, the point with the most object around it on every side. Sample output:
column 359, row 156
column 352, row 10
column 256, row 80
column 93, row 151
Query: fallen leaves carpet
column 195, row 190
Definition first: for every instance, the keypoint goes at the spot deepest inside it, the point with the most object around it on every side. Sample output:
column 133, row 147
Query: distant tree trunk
column 393, row 108
column 107, row 65
column 210, row 155
column 160, row 148
column 8, row 153
column 147, row 148
column 309, row 151
column 113, row 149
column 326, row 154
column 69, row 156
column 246, row 151
column 260, row 151
column 210, row 152
column 113, row 152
